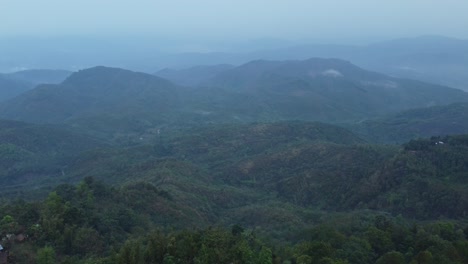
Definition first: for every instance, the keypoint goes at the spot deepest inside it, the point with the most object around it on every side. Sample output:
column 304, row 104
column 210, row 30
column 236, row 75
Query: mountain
column 193, row 76
column 10, row 88
column 94, row 92
column 13, row 84
column 40, row 76
column 416, row 123
column 433, row 59
column 328, row 90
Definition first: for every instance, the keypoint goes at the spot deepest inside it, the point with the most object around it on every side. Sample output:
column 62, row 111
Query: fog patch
column 332, row 73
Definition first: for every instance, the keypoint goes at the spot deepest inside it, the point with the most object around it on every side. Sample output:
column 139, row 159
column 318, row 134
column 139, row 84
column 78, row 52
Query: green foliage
column 46, row 255
column 78, row 231
column 426, row 180
column 416, row 123
column 392, row 257
column 204, row 246
column 311, row 193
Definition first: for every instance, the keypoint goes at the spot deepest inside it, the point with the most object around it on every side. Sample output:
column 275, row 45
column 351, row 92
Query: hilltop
column 93, row 92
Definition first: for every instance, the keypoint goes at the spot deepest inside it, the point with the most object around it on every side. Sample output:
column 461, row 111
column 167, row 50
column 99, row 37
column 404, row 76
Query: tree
column 265, row 256
column 392, row 257
column 46, row 255
column 424, row 257
column 8, row 224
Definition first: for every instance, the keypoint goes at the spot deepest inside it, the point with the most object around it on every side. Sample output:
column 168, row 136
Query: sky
column 236, row 19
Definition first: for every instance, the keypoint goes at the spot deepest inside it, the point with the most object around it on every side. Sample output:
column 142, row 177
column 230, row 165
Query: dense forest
column 314, row 161
column 291, row 192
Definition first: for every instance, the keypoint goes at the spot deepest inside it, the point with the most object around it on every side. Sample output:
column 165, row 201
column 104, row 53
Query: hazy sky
column 285, row 19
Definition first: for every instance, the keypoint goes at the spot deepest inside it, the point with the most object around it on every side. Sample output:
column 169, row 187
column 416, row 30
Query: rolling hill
column 328, row 90
column 425, row 180
column 93, row 92
column 433, row 59
column 117, row 103
column 416, row 123
column 309, row 165
column 310, row 184
column 30, row 154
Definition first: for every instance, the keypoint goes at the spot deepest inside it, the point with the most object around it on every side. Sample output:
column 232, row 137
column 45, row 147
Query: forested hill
column 428, row 179
column 293, row 205
column 415, row 123
column 93, row 92
column 31, row 154
column 305, row 164
column 327, row 90
column 136, row 169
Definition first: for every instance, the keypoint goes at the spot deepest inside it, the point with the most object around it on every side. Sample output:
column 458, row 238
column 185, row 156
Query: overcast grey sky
column 285, row 19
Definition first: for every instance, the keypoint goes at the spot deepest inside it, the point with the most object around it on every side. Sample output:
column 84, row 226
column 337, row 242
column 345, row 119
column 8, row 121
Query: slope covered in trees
column 265, row 193
column 33, row 153
column 328, row 90
column 93, row 223
column 93, row 92
column 139, row 170
column 416, row 123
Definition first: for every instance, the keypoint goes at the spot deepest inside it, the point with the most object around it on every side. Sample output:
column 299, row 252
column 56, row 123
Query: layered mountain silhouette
column 92, row 92
column 433, row 59
column 329, row 90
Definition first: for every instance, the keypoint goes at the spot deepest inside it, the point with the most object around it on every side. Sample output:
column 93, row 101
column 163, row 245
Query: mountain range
column 328, row 90
column 125, row 155
column 434, row 59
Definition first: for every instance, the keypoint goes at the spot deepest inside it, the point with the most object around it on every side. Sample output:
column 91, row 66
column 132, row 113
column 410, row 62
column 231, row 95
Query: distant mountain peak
column 105, row 76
